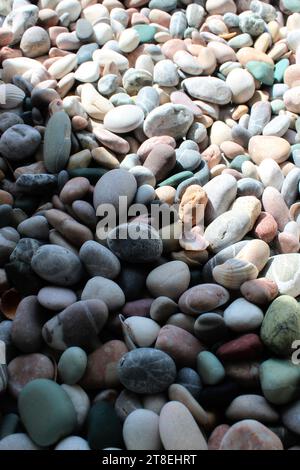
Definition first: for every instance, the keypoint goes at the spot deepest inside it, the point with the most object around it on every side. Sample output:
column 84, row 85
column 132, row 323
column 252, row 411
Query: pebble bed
column 185, row 341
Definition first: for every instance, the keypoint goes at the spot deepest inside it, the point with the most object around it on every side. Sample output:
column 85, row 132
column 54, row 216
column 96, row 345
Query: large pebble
column 61, row 331
column 57, row 265
column 178, row 429
column 124, row 118
column 169, row 119
column 108, row 291
column 170, row 280
column 99, row 261
column 243, row 316
column 209, row 89
column 53, row 415
column 146, row 370
column 281, row 325
column 135, row 241
column 141, row 432
column 250, row 434
column 19, row 142
column 203, row 298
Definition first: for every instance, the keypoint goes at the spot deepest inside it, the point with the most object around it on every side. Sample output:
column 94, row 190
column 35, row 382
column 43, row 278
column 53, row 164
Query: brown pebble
column 259, row 291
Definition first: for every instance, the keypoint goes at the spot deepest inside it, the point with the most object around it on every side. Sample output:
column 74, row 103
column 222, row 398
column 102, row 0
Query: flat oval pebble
column 141, row 431
column 202, row 298
column 56, row 298
column 124, row 118
column 72, row 365
column 178, row 429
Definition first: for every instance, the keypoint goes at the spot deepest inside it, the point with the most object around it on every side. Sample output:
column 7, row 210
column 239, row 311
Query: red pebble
column 243, row 348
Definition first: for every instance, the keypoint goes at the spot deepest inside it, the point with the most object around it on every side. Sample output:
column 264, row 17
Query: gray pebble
column 98, row 260
column 57, row 265
column 135, row 242
column 19, row 142
column 146, row 370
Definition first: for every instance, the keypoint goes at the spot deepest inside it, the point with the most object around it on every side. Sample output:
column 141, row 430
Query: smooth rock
column 141, row 431
column 251, row 407
column 98, row 260
column 178, row 429
column 169, row 119
column 146, row 370
column 72, row 365
column 243, row 316
column 89, row 315
column 250, row 434
column 57, row 265
column 54, row 414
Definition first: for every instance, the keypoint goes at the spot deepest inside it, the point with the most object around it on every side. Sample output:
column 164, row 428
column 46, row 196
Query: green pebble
column 146, row 32
column 279, row 70
column 46, row 411
column 280, row 380
column 72, row 365
column 164, row 5
column 104, row 427
column 237, row 162
column 209, row 368
column 9, row 425
column 57, row 142
column 175, row 180
column 292, row 5
column 92, row 174
column 281, row 325
column 261, row 71
column 277, row 105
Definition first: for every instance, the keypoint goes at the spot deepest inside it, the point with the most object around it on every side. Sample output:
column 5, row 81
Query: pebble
column 72, row 443
column 209, row 89
column 209, row 368
column 18, row 441
column 72, row 365
column 54, row 415
column 243, row 316
column 290, row 417
column 24, row 369
column 169, row 280
column 142, row 244
column 123, row 119
column 251, row 407
column 178, row 429
column 170, row 336
column 19, row 142
column 250, row 434
column 99, row 261
column 279, row 332
column 57, row 265
column 169, row 119
column 102, row 365
column 279, row 380
column 159, row 370
column 57, row 150
column 89, row 314
column 203, row 298
column 141, row 431
column 104, row 427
